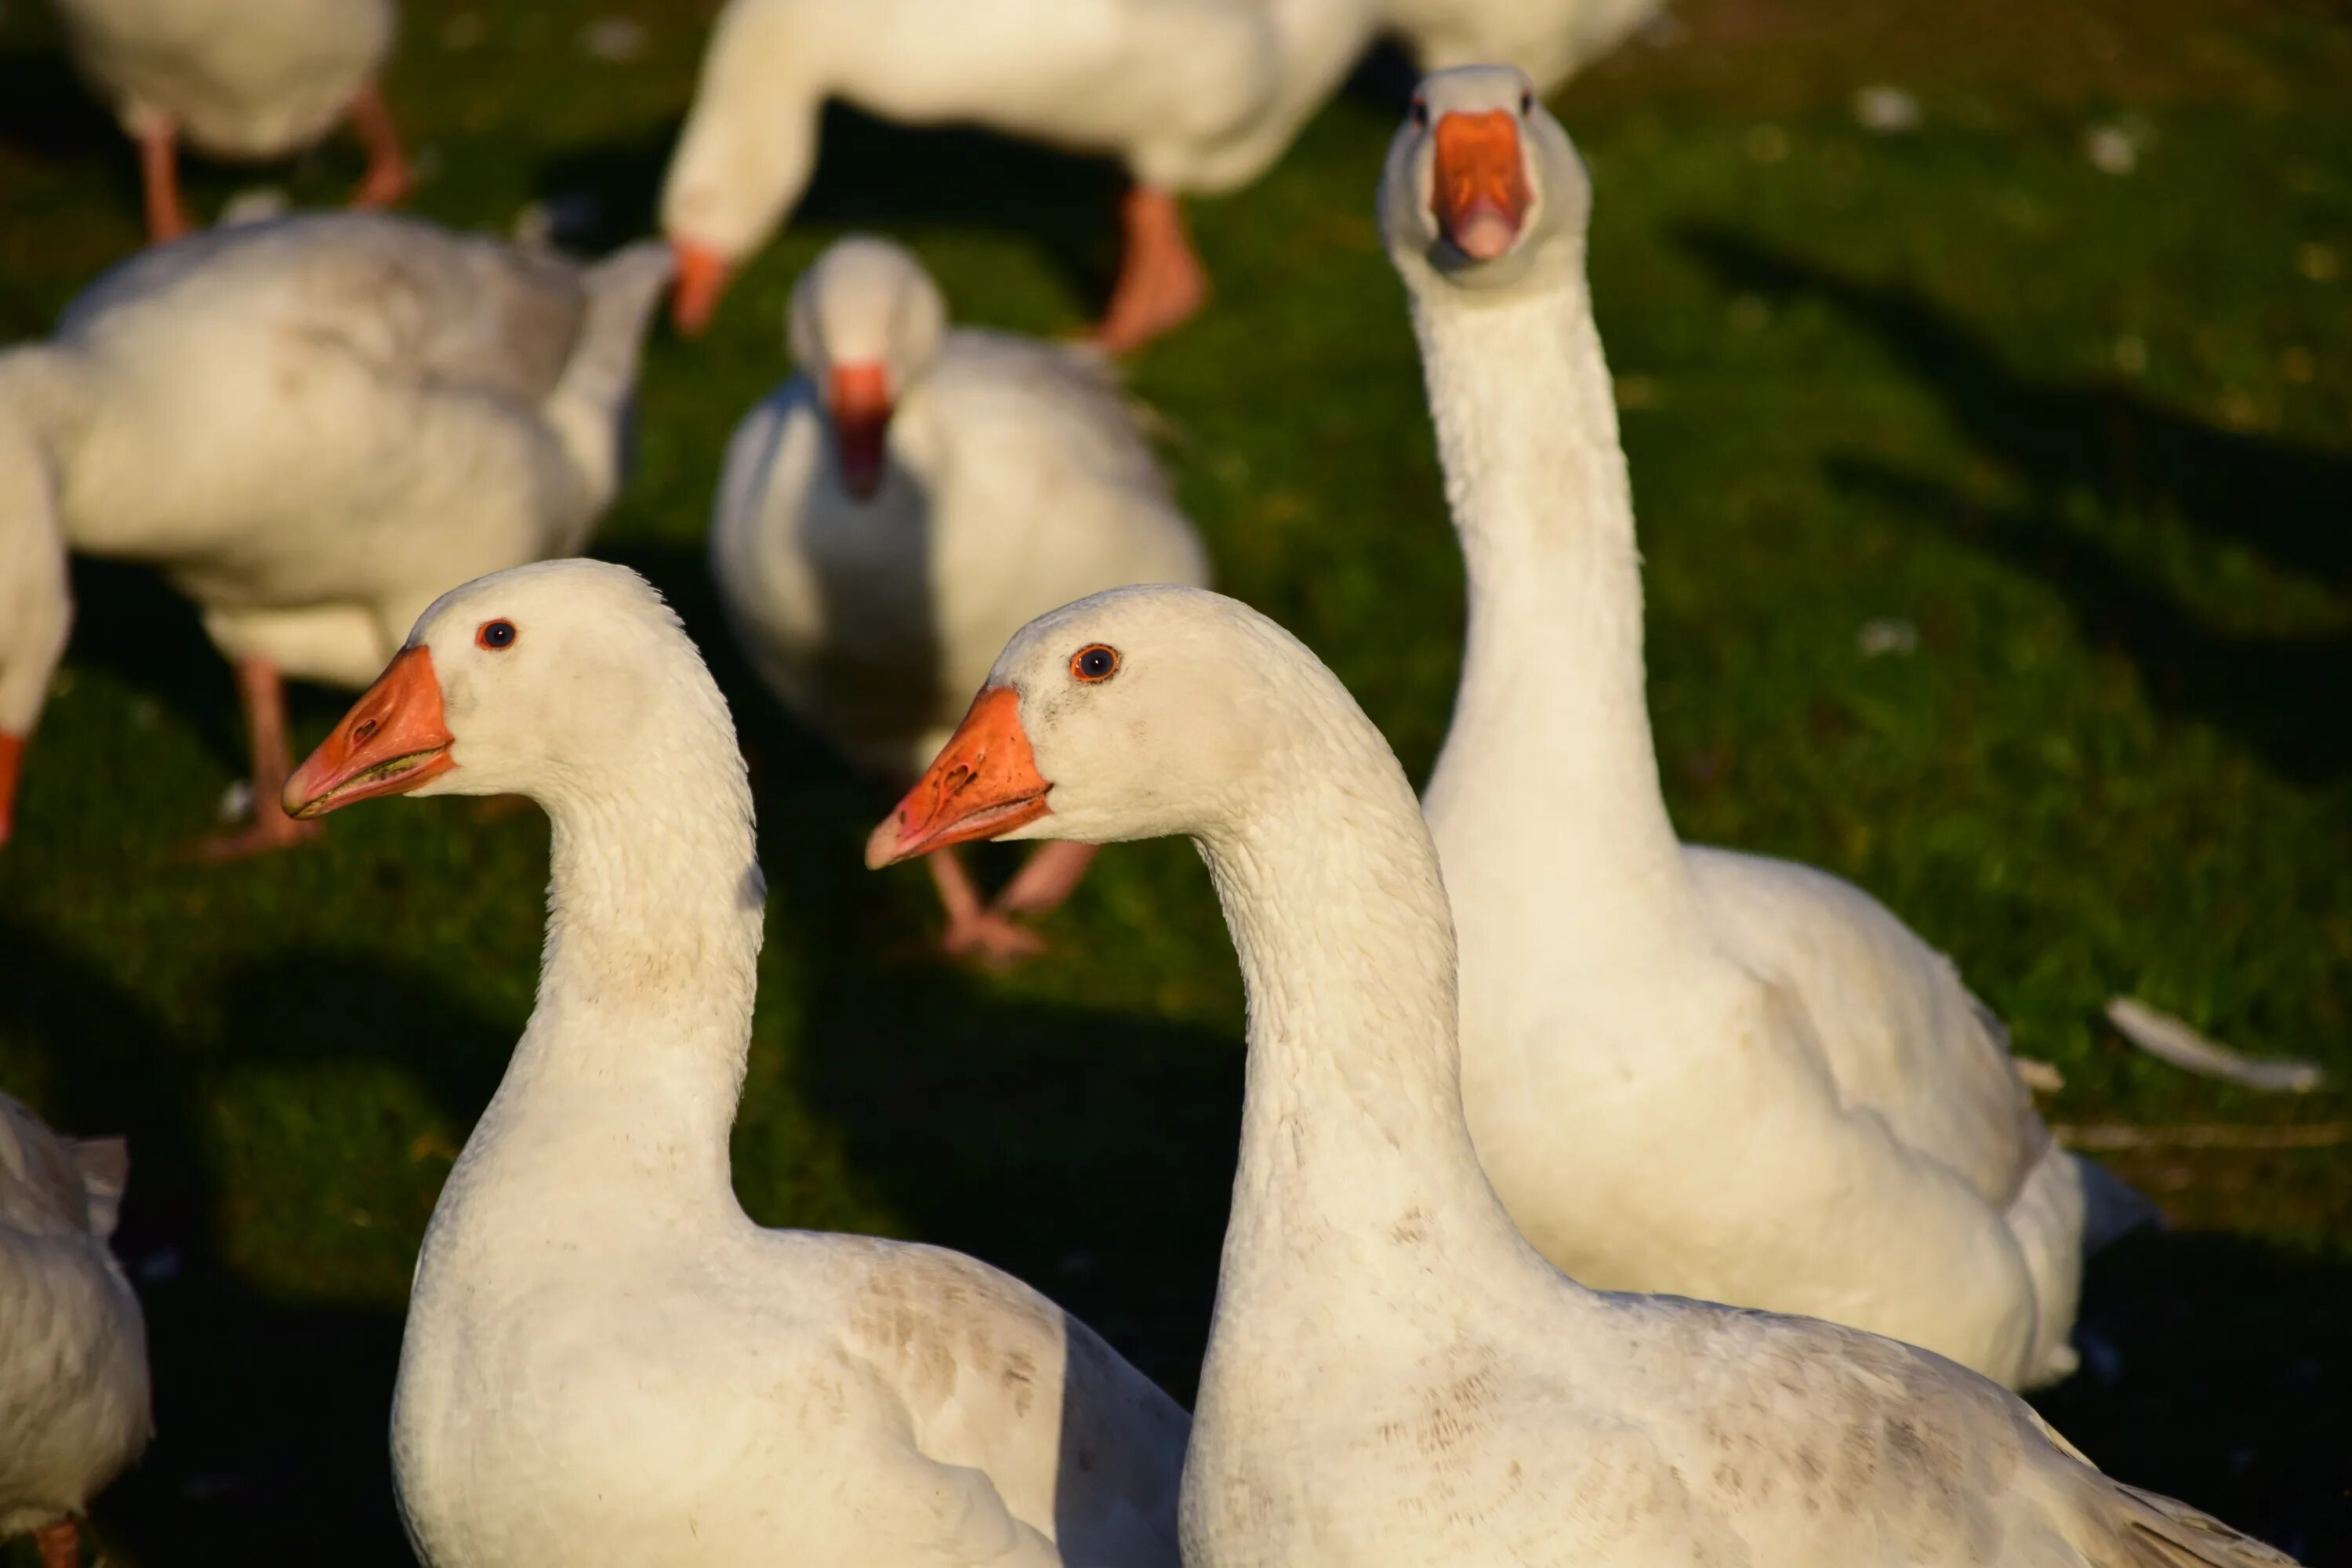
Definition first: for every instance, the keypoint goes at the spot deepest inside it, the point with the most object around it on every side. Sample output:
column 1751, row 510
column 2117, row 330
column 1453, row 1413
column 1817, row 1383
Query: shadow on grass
column 876, row 174
column 270, row 1413
column 2280, row 693
column 2232, row 1385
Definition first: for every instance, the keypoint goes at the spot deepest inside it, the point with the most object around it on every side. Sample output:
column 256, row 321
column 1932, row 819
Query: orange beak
column 858, row 399
column 12, row 762
column 392, row 740
column 702, row 274
column 1479, row 195
column 983, row 783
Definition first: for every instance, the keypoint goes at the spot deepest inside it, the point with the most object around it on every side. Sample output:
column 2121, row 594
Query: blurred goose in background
column 73, row 1343
column 605, row 1360
column 1687, row 1070
column 1394, row 1376
column 888, row 517
column 245, row 79
column 313, row 427
column 1196, row 97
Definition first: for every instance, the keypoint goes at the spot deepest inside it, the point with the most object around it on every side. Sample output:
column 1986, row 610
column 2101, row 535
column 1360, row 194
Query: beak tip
column 882, row 844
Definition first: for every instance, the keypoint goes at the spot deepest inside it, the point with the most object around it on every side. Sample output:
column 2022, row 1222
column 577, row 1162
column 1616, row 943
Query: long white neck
column 1547, row 784
column 1357, row 1169
column 630, row 1070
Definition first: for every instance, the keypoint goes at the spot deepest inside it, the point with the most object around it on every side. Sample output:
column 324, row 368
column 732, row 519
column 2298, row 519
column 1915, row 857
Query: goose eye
column 495, row 634
column 1527, row 104
column 1421, row 112
column 1095, row 663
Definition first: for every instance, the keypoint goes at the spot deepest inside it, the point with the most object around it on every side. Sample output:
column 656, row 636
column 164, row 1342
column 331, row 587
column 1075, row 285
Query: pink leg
column 1160, row 282
column 264, row 696
column 1045, row 879
column 60, row 1544
column 388, row 177
column 159, row 171
column 972, row 927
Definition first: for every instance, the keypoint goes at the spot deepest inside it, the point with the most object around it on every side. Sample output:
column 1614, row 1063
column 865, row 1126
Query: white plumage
column 605, row 1360
column 73, row 1343
column 1687, row 1070
column 314, row 427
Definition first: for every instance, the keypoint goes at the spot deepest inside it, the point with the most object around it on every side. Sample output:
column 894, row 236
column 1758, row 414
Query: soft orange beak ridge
column 859, row 401
column 983, row 783
column 392, row 739
column 1479, row 195
column 12, row 762
column 703, row 276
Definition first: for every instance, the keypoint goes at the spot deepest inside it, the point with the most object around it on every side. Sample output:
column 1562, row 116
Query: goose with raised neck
column 1394, row 1376
column 1787, row 1098
column 73, row 1357
column 312, row 425
column 605, row 1360
column 910, row 499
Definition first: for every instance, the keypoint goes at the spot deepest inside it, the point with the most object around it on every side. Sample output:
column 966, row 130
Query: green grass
column 2087, row 433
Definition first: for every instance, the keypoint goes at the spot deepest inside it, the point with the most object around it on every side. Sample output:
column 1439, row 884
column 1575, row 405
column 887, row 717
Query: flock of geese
column 1532, row 1087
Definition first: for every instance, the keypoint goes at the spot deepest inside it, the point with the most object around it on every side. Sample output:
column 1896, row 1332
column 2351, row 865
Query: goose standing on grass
column 1687, row 1070
column 248, row 79
column 605, row 1360
column 1395, row 1379
column 889, row 516
column 73, row 1343
column 312, row 425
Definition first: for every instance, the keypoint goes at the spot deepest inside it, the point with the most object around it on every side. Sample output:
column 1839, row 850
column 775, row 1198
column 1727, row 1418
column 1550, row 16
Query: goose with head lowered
column 605, row 1360
column 1395, row 1377
column 73, row 1342
column 917, row 493
column 1196, row 97
column 312, row 427
column 1687, row 1070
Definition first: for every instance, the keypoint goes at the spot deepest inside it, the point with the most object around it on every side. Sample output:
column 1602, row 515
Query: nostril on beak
column 362, row 731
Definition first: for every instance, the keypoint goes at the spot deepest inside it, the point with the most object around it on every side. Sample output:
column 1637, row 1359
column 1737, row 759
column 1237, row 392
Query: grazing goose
column 916, row 494
column 73, row 1343
column 1395, row 1379
column 312, row 425
column 605, row 1360
column 250, row 80
column 1788, row 1099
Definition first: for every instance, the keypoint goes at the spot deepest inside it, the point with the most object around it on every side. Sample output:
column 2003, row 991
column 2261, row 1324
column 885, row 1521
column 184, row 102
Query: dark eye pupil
column 1526, row 103
column 498, row 634
column 1419, row 112
column 1097, row 662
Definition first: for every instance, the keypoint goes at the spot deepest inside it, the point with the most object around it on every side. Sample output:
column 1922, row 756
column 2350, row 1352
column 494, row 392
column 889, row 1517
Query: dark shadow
column 270, row 1415
column 2230, row 1383
column 48, row 112
column 2279, row 693
column 878, row 174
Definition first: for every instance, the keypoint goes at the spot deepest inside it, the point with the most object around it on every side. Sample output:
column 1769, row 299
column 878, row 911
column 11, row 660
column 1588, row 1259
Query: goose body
column 247, row 80
column 315, row 426
column 894, row 513
column 73, row 1360
column 605, row 1360
column 1394, row 1375
column 1687, row 1070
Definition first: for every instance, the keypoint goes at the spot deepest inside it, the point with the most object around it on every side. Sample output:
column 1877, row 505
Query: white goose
column 313, row 427
column 73, row 1355
column 1196, row 97
column 605, row 1360
column 1687, row 1070
column 891, row 515
column 240, row 80
column 1394, row 1376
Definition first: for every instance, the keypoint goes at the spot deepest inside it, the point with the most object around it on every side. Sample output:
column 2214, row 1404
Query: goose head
column 866, row 323
column 553, row 681
column 1135, row 713
column 1481, row 187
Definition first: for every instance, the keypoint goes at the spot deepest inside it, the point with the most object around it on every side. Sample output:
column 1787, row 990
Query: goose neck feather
column 1552, row 719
